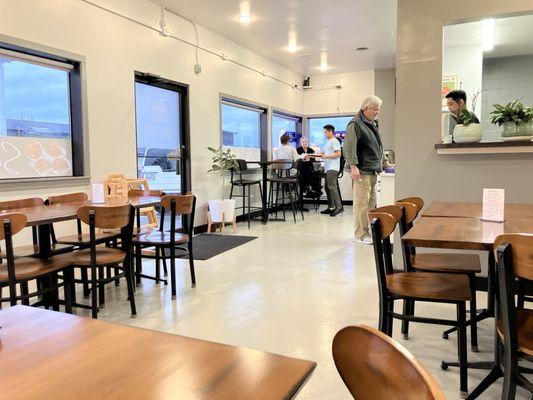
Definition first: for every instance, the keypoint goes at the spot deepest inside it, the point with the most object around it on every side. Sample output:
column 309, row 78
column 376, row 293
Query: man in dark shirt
column 456, row 102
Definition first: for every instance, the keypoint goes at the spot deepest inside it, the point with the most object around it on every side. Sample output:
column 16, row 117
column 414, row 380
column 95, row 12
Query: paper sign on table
column 493, row 205
column 98, row 193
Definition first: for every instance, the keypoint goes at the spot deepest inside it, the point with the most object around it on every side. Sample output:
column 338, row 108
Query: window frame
column 78, row 112
column 264, row 120
column 300, row 123
column 317, row 116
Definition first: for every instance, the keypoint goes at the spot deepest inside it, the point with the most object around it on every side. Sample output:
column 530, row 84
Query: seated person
column 286, row 151
column 309, row 178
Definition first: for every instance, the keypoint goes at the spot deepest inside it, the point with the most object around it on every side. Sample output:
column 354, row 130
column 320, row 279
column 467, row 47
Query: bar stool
column 288, row 183
column 244, row 183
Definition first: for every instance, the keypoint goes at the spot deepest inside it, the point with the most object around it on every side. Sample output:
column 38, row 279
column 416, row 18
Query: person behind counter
column 456, row 102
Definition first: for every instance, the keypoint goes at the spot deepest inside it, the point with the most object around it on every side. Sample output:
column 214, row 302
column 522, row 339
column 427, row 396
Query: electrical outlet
column 197, row 69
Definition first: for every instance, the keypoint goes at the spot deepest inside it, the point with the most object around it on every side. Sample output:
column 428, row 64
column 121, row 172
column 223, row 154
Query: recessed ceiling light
column 245, row 17
column 363, row 48
column 323, row 61
column 293, row 42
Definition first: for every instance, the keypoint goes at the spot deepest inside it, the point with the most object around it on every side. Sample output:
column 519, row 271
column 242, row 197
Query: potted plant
column 515, row 120
column 468, row 131
column 223, row 161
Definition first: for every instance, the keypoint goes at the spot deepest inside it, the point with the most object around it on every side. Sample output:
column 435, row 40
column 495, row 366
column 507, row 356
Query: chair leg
column 117, row 279
column 382, row 315
column 53, row 282
column 128, row 271
column 68, row 277
column 138, row 265
column 249, row 203
column 408, row 309
column 461, row 349
column 24, row 291
column 94, row 299
column 289, row 189
column 85, row 279
column 163, row 256
column 473, row 313
column 191, row 264
column 101, row 287
column 157, row 266
column 390, row 320
column 173, row 271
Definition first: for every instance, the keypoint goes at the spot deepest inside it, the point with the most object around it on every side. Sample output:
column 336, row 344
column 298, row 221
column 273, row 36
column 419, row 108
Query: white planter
column 219, row 208
column 471, row 133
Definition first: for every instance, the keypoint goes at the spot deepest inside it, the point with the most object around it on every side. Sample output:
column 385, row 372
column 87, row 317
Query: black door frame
column 185, row 135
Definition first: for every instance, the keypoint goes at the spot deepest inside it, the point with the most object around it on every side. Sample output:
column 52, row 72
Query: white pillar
column 3, row 127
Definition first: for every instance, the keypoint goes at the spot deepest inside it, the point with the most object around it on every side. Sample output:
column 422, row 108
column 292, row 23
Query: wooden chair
column 140, row 185
column 22, row 270
column 514, row 253
column 375, row 367
column 170, row 241
column 95, row 258
column 449, row 263
column 416, row 286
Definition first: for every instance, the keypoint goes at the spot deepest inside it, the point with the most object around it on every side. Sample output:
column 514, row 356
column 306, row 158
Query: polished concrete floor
column 289, row 292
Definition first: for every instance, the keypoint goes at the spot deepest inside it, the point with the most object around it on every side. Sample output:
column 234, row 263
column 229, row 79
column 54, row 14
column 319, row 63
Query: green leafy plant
column 528, row 114
column 513, row 111
column 223, row 160
column 467, row 117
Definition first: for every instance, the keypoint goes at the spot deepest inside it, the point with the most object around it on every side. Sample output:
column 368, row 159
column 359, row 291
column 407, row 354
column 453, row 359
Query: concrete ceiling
column 513, row 36
column 337, row 27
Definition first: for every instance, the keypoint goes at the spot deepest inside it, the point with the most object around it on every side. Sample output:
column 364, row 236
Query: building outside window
column 242, row 128
column 36, row 129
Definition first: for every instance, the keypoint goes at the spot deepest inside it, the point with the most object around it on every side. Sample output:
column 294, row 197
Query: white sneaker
column 365, row 240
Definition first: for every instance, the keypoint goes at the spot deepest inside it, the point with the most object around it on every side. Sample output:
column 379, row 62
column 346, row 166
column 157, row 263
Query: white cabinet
column 385, row 189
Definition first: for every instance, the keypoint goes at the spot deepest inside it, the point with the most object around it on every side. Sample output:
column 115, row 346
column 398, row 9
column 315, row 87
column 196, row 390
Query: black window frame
column 280, row 113
column 76, row 110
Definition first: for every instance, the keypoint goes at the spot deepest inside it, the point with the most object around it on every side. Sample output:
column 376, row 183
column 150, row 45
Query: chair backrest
column 243, row 165
column 418, row 201
column 106, row 217
column 411, row 212
column 21, row 203
column 521, row 253
column 68, row 198
column 132, row 193
column 373, row 366
column 383, row 223
column 183, row 203
column 17, row 221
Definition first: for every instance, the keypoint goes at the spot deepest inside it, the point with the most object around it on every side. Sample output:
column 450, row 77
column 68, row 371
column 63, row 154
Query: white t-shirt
column 286, row 152
column 332, row 164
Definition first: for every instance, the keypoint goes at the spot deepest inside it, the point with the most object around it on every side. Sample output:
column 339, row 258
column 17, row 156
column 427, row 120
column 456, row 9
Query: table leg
column 264, row 197
column 45, row 251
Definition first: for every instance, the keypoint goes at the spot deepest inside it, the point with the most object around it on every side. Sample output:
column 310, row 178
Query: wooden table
column 50, row 355
column 474, row 210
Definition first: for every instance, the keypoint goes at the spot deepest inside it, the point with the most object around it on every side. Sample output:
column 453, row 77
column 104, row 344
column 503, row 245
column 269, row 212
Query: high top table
column 50, row 355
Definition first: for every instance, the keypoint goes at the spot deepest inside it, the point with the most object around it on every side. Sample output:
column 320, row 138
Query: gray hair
column 371, row 101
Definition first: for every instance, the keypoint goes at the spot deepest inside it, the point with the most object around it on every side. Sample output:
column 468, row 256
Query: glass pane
column 316, row 129
column 241, row 131
column 35, row 126
column 158, row 136
column 282, row 125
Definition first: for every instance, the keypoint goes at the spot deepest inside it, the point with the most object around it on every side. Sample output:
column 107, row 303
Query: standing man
column 456, row 102
column 331, row 156
column 363, row 151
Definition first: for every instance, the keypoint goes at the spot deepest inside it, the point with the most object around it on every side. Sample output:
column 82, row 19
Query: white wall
column 355, row 87
column 114, row 48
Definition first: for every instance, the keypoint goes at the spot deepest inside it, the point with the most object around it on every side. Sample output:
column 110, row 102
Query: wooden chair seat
column 244, row 182
column 447, row 262
column 524, row 326
column 160, row 238
column 29, row 268
column 104, row 256
column 33, row 250
column 429, row 285
column 84, row 239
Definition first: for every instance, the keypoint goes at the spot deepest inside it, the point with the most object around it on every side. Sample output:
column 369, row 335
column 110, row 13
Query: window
column 37, row 128
column 282, row 124
column 242, row 129
column 316, row 128
column 161, row 136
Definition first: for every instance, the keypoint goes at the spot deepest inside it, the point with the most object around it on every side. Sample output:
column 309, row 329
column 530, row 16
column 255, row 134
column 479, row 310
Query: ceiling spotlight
column 323, row 61
column 293, row 42
column 245, row 17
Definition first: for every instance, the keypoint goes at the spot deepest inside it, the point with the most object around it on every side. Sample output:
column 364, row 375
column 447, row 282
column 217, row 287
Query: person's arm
column 337, row 154
column 350, row 151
